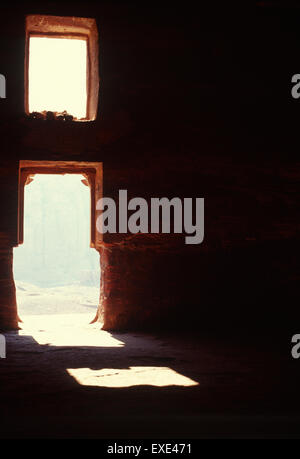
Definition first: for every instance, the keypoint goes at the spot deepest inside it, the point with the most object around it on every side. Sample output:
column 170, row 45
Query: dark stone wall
column 193, row 103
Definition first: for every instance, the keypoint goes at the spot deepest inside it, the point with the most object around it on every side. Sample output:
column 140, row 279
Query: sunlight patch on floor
column 134, row 376
column 67, row 330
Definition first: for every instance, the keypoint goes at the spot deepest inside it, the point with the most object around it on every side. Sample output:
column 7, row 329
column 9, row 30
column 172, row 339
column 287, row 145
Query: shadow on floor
column 67, row 379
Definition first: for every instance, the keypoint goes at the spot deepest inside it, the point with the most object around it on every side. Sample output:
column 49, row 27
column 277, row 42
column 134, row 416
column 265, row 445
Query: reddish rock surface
column 166, row 127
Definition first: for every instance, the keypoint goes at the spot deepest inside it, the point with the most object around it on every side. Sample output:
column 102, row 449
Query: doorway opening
column 56, row 267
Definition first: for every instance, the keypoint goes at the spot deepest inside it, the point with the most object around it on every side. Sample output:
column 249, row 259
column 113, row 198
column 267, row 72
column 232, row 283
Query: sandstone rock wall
column 174, row 119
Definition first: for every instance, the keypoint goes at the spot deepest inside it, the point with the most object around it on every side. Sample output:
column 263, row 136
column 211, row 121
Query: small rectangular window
column 61, row 67
column 57, row 76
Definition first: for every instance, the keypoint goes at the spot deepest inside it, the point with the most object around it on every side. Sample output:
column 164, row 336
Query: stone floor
column 64, row 378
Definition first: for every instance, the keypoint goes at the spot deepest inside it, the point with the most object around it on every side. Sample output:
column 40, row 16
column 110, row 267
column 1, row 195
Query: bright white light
column 57, row 75
column 134, row 376
column 69, row 330
column 56, row 250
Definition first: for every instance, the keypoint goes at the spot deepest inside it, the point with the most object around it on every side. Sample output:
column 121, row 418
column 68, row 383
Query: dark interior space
column 193, row 102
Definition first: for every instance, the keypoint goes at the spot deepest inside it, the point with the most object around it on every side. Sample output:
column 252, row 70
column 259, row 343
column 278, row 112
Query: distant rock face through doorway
column 55, row 270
